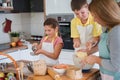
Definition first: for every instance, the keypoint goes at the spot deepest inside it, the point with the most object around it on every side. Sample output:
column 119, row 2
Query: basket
column 14, row 62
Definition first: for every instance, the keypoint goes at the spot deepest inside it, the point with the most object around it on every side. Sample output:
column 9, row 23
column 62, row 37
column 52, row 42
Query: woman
column 107, row 13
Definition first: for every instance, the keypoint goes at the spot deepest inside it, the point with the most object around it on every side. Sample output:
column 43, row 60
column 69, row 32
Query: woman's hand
column 89, row 45
column 92, row 59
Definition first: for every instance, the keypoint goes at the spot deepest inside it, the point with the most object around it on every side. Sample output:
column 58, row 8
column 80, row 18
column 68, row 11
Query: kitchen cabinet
column 28, row 5
column 57, row 6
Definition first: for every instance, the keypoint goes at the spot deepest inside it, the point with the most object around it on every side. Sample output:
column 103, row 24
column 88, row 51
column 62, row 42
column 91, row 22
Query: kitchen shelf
column 6, row 8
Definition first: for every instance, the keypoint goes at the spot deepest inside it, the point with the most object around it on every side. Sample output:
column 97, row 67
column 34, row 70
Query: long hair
column 107, row 10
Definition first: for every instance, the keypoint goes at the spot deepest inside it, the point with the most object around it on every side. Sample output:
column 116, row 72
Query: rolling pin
column 53, row 74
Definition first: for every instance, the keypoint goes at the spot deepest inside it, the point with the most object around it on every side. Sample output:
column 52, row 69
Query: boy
column 84, row 31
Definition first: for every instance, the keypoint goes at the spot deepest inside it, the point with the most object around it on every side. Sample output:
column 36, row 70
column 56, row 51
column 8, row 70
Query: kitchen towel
column 7, row 25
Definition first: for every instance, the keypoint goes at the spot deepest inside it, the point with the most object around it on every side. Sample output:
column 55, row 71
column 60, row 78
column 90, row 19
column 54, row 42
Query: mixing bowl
column 77, row 63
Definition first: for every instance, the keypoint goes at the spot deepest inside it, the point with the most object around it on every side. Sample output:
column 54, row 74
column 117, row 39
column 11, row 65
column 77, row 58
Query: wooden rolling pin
column 53, row 74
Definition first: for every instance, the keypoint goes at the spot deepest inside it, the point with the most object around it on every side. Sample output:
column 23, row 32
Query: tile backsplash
column 30, row 23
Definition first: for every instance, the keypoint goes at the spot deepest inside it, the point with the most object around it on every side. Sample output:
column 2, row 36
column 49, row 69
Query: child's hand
column 35, row 44
column 39, row 51
column 76, row 44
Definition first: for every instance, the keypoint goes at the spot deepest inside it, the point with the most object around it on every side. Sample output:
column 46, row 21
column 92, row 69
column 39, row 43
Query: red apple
column 19, row 43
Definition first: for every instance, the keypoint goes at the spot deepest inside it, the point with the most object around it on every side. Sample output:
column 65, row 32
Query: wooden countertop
column 92, row 75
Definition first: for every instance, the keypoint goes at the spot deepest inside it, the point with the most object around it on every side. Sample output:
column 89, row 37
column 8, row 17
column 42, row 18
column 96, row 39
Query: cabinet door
column 21, row 5
column 37, row 6
column 28, row 5
column 58, row 6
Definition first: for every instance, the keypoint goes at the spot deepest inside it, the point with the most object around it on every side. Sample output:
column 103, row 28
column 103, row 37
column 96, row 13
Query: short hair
column 77, row 4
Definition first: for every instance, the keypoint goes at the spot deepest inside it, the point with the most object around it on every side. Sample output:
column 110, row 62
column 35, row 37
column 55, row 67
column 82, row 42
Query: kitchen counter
column 92, row 75
column 13, row 49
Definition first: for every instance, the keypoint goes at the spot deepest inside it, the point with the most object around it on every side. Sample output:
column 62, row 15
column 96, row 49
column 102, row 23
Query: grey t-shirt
column 114, row 46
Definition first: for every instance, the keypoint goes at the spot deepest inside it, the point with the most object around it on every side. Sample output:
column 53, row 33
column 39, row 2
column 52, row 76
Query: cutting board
column 46, row 77
column 92, row 75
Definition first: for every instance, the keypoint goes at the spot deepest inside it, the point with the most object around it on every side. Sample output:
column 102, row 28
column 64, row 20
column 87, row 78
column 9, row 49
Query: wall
column 16, row 25
column 37, row 20
column 58, row 6
column 30, row 23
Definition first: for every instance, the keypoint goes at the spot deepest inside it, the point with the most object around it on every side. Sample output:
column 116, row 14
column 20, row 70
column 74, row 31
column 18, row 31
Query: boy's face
column 83, row 13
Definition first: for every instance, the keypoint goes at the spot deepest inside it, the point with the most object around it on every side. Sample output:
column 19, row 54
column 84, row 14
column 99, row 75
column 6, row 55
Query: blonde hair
column 107, row 10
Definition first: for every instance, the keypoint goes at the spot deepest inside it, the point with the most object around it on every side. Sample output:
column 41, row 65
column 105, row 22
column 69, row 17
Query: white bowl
column 60, row 71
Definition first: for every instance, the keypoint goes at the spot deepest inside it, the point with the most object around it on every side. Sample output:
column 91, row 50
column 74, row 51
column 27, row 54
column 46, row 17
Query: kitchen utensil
column 21, row 69
column 30, row 67
column 33, row 49
column 59, row 71
column 32, row 53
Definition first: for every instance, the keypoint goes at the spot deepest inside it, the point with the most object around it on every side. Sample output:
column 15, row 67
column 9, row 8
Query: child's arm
column 54, row 55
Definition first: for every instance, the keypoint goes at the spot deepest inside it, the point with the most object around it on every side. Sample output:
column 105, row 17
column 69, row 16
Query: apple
column 13, row 44
column 19, row 43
